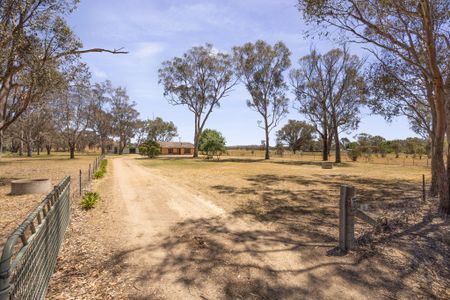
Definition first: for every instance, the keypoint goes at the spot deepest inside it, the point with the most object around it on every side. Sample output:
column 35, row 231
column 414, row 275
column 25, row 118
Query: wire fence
column 388, row 159
column 29, row 255
column 85, row 176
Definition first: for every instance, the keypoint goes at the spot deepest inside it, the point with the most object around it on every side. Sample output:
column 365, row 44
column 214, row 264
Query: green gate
column 29, row 255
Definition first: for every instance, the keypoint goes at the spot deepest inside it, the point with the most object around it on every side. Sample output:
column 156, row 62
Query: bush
column 354, row 151
column 101, row 170
column 211, row 143
column 89, row 200
column 150, row 148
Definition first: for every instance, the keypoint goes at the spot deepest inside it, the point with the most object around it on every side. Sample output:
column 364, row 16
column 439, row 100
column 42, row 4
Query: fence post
column 89, row 172
column 80, row 183
column 346, row 220
column 423, row 188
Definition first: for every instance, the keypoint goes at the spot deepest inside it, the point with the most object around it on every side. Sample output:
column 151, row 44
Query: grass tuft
column 89, row 200
column 102, row 170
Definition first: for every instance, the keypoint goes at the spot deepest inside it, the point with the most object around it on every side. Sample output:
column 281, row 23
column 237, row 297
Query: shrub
column 354, row 151
column 89, row 200
column 150, row 148
column 101, row 170
column 211, row 143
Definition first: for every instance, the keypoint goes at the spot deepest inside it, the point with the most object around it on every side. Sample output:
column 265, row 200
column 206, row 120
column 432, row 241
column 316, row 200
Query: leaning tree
column 36, row 43
column 260, row 67
column 415, row 32
column 199, row 80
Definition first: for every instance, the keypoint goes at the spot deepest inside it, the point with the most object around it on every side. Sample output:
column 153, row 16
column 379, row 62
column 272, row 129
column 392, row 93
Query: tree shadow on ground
column 245, row 264
column 276, row 246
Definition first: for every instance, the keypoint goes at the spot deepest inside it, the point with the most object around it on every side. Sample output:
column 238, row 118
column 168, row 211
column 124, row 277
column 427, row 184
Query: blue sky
column 154, row 31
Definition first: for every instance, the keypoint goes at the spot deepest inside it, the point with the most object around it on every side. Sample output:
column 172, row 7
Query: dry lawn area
column 55, row 167
column 298, row 204
column 274, row 239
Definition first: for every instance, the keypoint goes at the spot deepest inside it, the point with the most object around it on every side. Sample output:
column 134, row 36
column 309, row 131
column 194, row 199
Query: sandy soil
column 14, row 209
column 238, row 229
column 173, row 242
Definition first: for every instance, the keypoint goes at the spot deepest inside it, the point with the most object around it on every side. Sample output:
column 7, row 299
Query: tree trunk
column 433, row 186
column 325, row 147
column 29, row 149
column 72, row 151
column 121, row 146
column 267, row 155
column 103, row 148
column 337, row 146
column 196, row 136
column 1, row 143
column 21, row 144
column 442, row 108
column 48, row 148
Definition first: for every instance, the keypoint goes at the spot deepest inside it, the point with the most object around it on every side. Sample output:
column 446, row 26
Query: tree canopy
column 212, row 143
column 260, row 67
column 199, row 80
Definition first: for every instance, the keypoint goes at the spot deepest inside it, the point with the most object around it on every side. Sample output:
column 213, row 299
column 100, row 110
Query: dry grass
column 299, row 199
column 55, row 167
column 241, row 174
column 389, row 159
column 295, row 200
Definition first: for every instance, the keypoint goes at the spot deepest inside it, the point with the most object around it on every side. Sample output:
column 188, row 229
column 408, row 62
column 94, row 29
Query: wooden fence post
column 346, row 219
column 423, row 188
column 89, row 172
column 80, row 184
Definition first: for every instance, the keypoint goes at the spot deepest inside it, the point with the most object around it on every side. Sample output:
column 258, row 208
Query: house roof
column 176, row 145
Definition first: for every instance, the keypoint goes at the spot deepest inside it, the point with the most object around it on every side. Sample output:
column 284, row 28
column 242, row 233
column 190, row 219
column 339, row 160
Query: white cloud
column 148, row 49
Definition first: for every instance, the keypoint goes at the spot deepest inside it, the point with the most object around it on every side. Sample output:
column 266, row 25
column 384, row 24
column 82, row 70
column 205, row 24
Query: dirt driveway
column 172, row 242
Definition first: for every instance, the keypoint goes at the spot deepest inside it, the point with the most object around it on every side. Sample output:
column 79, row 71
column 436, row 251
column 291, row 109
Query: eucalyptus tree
column 199, row 80
column 31, row 126
column 400, row 89
column 415, row 32
column 125, row 117
column 72, row 107
column 296, row 134
column 330, row 90
column 161, row 131
column 311, row 100
column 101, row 118
column 36, row 42
column 260, row 67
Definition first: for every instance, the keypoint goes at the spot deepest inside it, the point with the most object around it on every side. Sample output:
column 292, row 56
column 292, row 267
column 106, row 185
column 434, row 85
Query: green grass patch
column 101, row 170
column 89, row 200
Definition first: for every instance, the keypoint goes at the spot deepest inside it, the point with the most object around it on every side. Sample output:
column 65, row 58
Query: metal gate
column 29, row 255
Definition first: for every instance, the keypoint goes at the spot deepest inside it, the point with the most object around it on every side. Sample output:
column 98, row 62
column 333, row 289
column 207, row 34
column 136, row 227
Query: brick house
column 176, row 148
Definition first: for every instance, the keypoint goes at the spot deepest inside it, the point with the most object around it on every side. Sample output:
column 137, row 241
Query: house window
column 170, row 151
column 187, row 151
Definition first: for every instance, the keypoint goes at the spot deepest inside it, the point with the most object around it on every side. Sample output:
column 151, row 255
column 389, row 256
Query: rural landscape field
column 210, row 149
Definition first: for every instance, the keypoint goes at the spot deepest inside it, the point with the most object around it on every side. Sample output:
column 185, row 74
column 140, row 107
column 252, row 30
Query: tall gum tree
column 417, row 32
column 124, row 116
column 330, row 90
column 260, row 67
column 35, row 41
column 199, row 80
column 71, row 108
